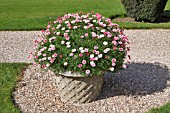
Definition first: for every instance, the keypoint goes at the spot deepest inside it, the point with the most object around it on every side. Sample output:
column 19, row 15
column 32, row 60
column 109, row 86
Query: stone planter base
column 79, row 90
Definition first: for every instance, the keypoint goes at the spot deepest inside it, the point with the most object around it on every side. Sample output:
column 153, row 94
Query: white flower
column 106, row 50
column 44, row 58
column 67, row 43
column 58, row 33
column 75, row 27
column 80, row 48
column 103, row 30
column 112, row 69
column 68, row 46
column 63, row 28
column 49, row 58
column 65, row 63
column 67, row 31
column 73, row 50
column 101, row 36
column 47, row 65
column 82, row 51
column 62, row 42
column 73, row 21
column 100, row 56
column 85, row 27
column 94, row 20
column 91, row 55
column 105, row 43
column 66, row 22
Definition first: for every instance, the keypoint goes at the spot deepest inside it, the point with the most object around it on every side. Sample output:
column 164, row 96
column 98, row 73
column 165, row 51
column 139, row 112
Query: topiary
column 144, row 10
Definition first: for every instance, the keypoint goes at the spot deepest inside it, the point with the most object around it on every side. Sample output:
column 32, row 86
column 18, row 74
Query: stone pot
column 78, row 90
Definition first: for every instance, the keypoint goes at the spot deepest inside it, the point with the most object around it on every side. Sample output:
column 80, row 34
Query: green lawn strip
column 163, row 109
column 34, row 15
column 9, row 75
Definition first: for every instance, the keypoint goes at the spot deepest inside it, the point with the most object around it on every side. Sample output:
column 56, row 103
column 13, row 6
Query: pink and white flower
column 84, row 62
column 80, row 65
column 92, row 64
column 87, row 72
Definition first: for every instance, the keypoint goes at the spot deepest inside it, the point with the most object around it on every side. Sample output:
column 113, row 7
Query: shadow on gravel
column 137, row 79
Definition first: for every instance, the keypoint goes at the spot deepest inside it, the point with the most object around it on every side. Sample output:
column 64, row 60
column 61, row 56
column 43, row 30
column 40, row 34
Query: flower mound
column 88, row 44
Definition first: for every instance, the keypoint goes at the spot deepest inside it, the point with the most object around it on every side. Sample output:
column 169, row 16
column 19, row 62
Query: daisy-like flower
column 124, row 66
column 81, row 36
column 49, row 58
column 92, row 64
column 96, row 47
column 44, row 54
column 55, row 55
column 63, row 28
column 87, row 72
column 105, row 43
column 86, row 35
column 71, row 54
column 84, row 62
column 68, row 46
column 85, row 27
column 100, row 55
column 113, row 60
column 47, row 65
column 80, row 55
column 112, row 69
column 62, row 42
column 73, row 50
column 75, row 27
column 80, row 65
column 80, row 48
column 52, row 60
column 113, row 64
column 86, row 50
column 94, row 21
column 103, row 30
column 65, row 63
column 101, row 36
column 120, row 49
column 73, row 21
column 67, row 43
column 82, row 51
column 106, row 50
column 58, row 33
column 91, row 55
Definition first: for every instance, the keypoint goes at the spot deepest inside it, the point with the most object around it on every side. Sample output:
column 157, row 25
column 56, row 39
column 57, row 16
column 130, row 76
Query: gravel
column 143, row 85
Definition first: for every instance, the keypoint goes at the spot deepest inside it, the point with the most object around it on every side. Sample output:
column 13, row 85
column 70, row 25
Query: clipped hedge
column 144, row 10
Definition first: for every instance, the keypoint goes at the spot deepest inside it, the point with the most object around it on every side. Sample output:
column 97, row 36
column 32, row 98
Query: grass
column 163, row 109
column 34, row 15
column 9, row 74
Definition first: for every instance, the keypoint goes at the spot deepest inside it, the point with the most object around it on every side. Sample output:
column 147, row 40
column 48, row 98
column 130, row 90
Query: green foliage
column 76, row 38
column 144, row 10
column 9, row 74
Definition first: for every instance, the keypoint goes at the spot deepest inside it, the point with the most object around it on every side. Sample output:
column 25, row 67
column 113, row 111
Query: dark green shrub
column 144, row 10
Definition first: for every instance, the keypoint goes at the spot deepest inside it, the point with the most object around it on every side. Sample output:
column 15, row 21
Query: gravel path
column 143, row 85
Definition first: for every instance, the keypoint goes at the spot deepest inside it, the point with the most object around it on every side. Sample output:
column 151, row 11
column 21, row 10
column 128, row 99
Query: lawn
column 34, row 15
column 9, row 74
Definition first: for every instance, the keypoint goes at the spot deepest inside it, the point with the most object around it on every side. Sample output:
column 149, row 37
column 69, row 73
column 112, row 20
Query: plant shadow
column 137, row 79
